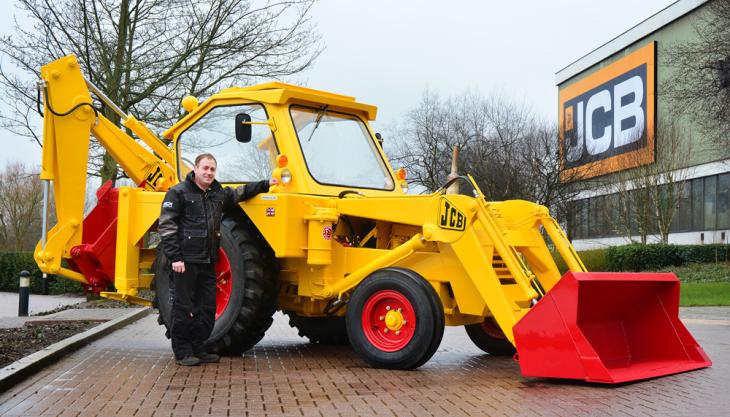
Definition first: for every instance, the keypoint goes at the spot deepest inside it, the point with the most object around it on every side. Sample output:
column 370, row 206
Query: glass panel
column 596, row 216
column 580, row 220
column 339, row 150
column 698, row 211
column 584, row 223
column 587, row 218
column 599, row 213
column 624, row 216
column 633, row 212
column 611, row 214
column 723, row 201
column 682, row 215
column 643, row 212
column 651, row 214
column 574, row 218
column 710, row 202
column 215, row 133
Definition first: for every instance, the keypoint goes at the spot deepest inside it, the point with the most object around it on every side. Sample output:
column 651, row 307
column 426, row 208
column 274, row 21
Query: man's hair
column 203, row 156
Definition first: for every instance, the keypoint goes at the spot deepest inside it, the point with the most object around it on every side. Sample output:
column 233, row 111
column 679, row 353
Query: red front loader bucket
column 609, row 328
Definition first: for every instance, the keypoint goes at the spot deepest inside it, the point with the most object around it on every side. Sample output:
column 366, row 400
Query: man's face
column 205, row 172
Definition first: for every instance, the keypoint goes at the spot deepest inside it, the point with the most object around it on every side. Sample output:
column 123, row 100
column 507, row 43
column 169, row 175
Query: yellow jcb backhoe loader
column 339, row 246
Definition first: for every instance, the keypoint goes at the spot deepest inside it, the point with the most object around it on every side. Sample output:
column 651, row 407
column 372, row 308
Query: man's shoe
column 208, row 357
column 188, row 361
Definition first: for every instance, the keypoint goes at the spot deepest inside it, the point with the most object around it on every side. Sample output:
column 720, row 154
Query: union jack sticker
column 270, row 212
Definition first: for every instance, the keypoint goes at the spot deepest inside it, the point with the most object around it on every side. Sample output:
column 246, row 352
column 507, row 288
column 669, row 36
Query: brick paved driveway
column 132, row 373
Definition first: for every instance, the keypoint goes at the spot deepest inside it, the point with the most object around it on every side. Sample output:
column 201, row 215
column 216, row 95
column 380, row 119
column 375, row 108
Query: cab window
column 215, row 133
column 339, row 150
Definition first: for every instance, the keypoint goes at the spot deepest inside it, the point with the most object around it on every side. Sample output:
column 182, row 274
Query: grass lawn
column 704, row 294
column 703, row 284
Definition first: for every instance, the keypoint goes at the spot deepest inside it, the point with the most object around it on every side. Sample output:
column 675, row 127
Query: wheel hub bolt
column 397, row 332
column 385, row 330
column 381, row 318
column 387, row 308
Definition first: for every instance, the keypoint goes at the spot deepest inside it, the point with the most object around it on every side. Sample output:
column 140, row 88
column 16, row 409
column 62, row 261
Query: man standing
column 189, row 227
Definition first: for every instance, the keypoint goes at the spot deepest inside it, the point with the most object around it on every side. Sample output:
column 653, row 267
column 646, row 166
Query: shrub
column 639, row 257
column 593, row 259
column 11, row 263
column 701, row 272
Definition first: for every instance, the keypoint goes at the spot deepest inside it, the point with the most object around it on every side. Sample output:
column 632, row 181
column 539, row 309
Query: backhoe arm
column 69, row 121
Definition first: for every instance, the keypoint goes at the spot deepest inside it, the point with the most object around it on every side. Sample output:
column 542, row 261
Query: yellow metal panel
column 280, row 218
column 138, row 211
column 126, row 266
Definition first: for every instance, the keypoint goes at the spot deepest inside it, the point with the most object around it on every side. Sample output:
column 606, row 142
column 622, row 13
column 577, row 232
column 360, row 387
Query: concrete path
column 36, row 304
column 131, row 372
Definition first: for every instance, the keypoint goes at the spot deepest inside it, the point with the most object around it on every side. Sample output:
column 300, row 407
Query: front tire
column 246, row 288
column 395, row 319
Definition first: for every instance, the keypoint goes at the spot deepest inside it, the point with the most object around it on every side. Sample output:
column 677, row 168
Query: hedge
column 11, row 263
column 594, row 260
column 638, row 257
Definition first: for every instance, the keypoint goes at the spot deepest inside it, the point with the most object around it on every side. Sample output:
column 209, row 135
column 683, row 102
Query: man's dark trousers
column 193, row 308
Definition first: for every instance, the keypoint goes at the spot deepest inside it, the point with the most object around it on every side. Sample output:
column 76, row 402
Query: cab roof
column 277, row 93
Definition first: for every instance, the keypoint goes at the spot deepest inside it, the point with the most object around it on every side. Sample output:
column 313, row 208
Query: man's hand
column 178, row 267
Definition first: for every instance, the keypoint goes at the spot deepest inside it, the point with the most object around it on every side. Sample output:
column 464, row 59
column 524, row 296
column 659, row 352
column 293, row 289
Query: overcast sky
column 387, row 53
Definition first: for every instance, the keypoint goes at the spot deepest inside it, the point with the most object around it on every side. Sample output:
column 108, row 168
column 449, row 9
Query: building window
column 723, row 201
column 698, row 213
column 702, row 204
column 682, row 220
column 710, row 202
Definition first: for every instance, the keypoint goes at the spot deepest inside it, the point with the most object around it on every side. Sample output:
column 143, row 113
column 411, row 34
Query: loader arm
column 91, row 247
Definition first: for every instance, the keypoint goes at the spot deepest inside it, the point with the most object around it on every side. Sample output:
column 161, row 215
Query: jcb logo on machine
column 152, row 177
column 450, row 217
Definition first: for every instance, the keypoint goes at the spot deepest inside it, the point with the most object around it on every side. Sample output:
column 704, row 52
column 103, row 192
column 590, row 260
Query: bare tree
column 426, row 139
column 509, row 152
column 550, row 184
column 699, row 81
column 648, row 195
column 20, row 208
column 147, row 54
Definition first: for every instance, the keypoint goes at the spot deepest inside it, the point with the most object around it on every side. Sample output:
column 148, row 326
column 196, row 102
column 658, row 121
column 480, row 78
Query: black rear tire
column 424, row 305
column 489, row 338
column 322, row 330
column 254, row 292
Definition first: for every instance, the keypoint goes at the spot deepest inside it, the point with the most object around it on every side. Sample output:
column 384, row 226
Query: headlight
column 285, row 176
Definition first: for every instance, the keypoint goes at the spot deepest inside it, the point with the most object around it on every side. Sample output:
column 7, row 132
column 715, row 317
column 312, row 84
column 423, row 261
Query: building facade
column 643, row 168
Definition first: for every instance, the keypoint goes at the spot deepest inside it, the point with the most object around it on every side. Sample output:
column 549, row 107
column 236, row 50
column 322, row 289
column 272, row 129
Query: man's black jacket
column 190, row 220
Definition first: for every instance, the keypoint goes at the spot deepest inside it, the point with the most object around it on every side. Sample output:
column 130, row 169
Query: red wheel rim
column 490, row 327
column 223, row 283
column 388, row 320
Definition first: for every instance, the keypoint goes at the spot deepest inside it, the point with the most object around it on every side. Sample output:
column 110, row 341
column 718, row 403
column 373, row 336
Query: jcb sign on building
column 607, row 118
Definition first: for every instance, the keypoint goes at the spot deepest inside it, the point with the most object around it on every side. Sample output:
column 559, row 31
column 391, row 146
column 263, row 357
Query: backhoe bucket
column 608, row 328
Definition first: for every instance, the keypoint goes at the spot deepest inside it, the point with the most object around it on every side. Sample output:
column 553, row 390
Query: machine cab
column 313, row 142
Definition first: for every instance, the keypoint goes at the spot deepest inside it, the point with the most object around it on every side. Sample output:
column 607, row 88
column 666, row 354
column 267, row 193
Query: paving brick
column 132, row 373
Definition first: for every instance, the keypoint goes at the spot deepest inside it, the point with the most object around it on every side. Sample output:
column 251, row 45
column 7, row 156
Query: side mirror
column 379, row 138
column 243, row 127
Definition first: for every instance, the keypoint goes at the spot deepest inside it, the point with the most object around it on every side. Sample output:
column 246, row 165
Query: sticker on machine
column 327, row 232
column 269, row 197
column 270, row 212
column 450, row 217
